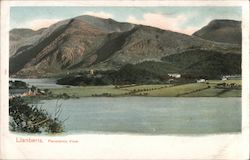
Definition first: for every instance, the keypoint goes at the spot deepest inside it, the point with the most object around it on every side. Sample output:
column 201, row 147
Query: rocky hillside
column 226, row 31
column 20, row 38
column 87, row 42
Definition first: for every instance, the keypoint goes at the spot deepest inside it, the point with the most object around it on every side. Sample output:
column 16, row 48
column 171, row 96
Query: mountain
column 191, row 64
column 226, row 31
column 106, row 25
column 85, row 42
column 23, row 37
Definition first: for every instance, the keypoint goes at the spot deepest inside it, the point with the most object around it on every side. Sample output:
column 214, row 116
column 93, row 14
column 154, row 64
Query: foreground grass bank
column 208, row 89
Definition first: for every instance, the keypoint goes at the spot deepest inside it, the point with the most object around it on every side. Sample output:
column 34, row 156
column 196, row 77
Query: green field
column 165, row 90
column 226, row 81
column 89, row 91
column 214, row 92
column 141, row 87
column 179, row 90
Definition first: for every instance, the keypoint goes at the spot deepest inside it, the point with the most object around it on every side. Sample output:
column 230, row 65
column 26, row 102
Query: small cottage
column 201, row 81
column 174, row 75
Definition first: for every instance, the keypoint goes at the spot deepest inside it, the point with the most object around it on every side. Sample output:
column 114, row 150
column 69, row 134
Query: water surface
column 40, row 83
column 149, row 115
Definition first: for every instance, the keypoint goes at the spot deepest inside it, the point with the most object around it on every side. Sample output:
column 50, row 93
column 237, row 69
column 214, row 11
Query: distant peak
column 86, row 16
column 221, row 30
column 223, row 20
column 227, row 22
column 21, row 29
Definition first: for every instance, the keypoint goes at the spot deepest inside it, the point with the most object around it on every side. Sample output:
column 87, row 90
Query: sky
column 180, row 19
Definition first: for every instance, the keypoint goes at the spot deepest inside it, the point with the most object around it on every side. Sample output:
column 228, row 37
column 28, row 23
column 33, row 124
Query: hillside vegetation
column 89, row 43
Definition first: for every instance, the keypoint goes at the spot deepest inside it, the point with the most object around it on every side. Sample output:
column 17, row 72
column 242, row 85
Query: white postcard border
column 94, row 146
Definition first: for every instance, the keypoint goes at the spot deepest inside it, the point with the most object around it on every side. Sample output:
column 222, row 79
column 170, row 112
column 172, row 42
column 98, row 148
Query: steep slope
column 106, row 25
column 145, row 43
column 23, row 38
column 16, row 34
column 153, row 43
column 192, row 64
column 59, row 50
column 205, row 63
column 86, row 42
column 227, row 31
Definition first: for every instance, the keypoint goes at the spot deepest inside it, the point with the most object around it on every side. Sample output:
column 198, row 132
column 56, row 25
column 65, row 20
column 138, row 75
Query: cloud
column 100, row 14
column 189, row 30
column 43, row 23
column 40, row 23
column 173, row 23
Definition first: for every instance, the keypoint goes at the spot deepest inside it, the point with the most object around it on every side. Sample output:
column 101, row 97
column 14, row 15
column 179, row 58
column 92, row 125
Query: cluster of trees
column 31, row 119
column 82, row 79
column 143, row 91
column 128, row 74
column 101, row 95
column 207, row 64
column 228, row 86
column 17, row 85
column 192, row 64
column 131, row 74
column 136, row 93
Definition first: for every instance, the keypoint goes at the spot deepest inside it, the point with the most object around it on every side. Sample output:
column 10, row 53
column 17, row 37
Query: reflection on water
column 149, row 115
column 40, row 83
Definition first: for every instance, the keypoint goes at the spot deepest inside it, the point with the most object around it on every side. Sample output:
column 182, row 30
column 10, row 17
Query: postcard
column 124, row 80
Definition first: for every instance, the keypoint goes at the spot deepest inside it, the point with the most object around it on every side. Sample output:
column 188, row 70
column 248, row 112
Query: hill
column 226, row 31
column 85, row 42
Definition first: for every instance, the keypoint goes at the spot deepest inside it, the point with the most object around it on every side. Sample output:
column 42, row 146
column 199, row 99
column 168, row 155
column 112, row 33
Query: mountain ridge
column 221, row 30
column 102, row 44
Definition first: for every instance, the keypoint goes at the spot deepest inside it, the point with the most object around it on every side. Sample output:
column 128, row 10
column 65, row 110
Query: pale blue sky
column 181, row 19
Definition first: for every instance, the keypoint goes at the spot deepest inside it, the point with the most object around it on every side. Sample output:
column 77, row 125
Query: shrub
column 31, row 119
column 18, row 85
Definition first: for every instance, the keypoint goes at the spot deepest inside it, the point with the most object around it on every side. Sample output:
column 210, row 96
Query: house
column 224, row 78
column 91, row 72
column 201, row 81
column 231, row 77
column 174, row 75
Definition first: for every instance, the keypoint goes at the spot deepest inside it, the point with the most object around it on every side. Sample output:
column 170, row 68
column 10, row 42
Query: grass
column 141, row 87
column 89, row 91
column 164, row 90
column 231, row 93
column 211, row 92
column 215, row 92
column 226, row 81
column 177, row 90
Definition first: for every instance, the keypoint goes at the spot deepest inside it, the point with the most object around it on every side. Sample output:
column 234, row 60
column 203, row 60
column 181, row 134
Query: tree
column 31, row 119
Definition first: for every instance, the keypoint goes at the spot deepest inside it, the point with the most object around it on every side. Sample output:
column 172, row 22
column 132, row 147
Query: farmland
column 207, row 89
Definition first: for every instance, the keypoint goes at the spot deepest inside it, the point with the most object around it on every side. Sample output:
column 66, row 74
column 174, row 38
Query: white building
column 91, row 72
column 174, row 75
column 231, row 77
column 201, row 81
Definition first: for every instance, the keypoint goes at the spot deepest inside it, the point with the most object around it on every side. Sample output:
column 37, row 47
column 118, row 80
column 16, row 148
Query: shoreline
column 210, row 88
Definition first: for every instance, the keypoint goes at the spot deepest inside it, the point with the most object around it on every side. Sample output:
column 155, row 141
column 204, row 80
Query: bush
column 31, row 119
column 18, row 85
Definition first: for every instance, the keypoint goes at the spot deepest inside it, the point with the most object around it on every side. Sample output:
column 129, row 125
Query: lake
column 40, row 83
column 149, row 115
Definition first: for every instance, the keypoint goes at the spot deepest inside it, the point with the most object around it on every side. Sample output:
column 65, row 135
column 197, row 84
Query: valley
column 102, row 57
column 101, row 75
column 86, row 43
column 185, row 90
